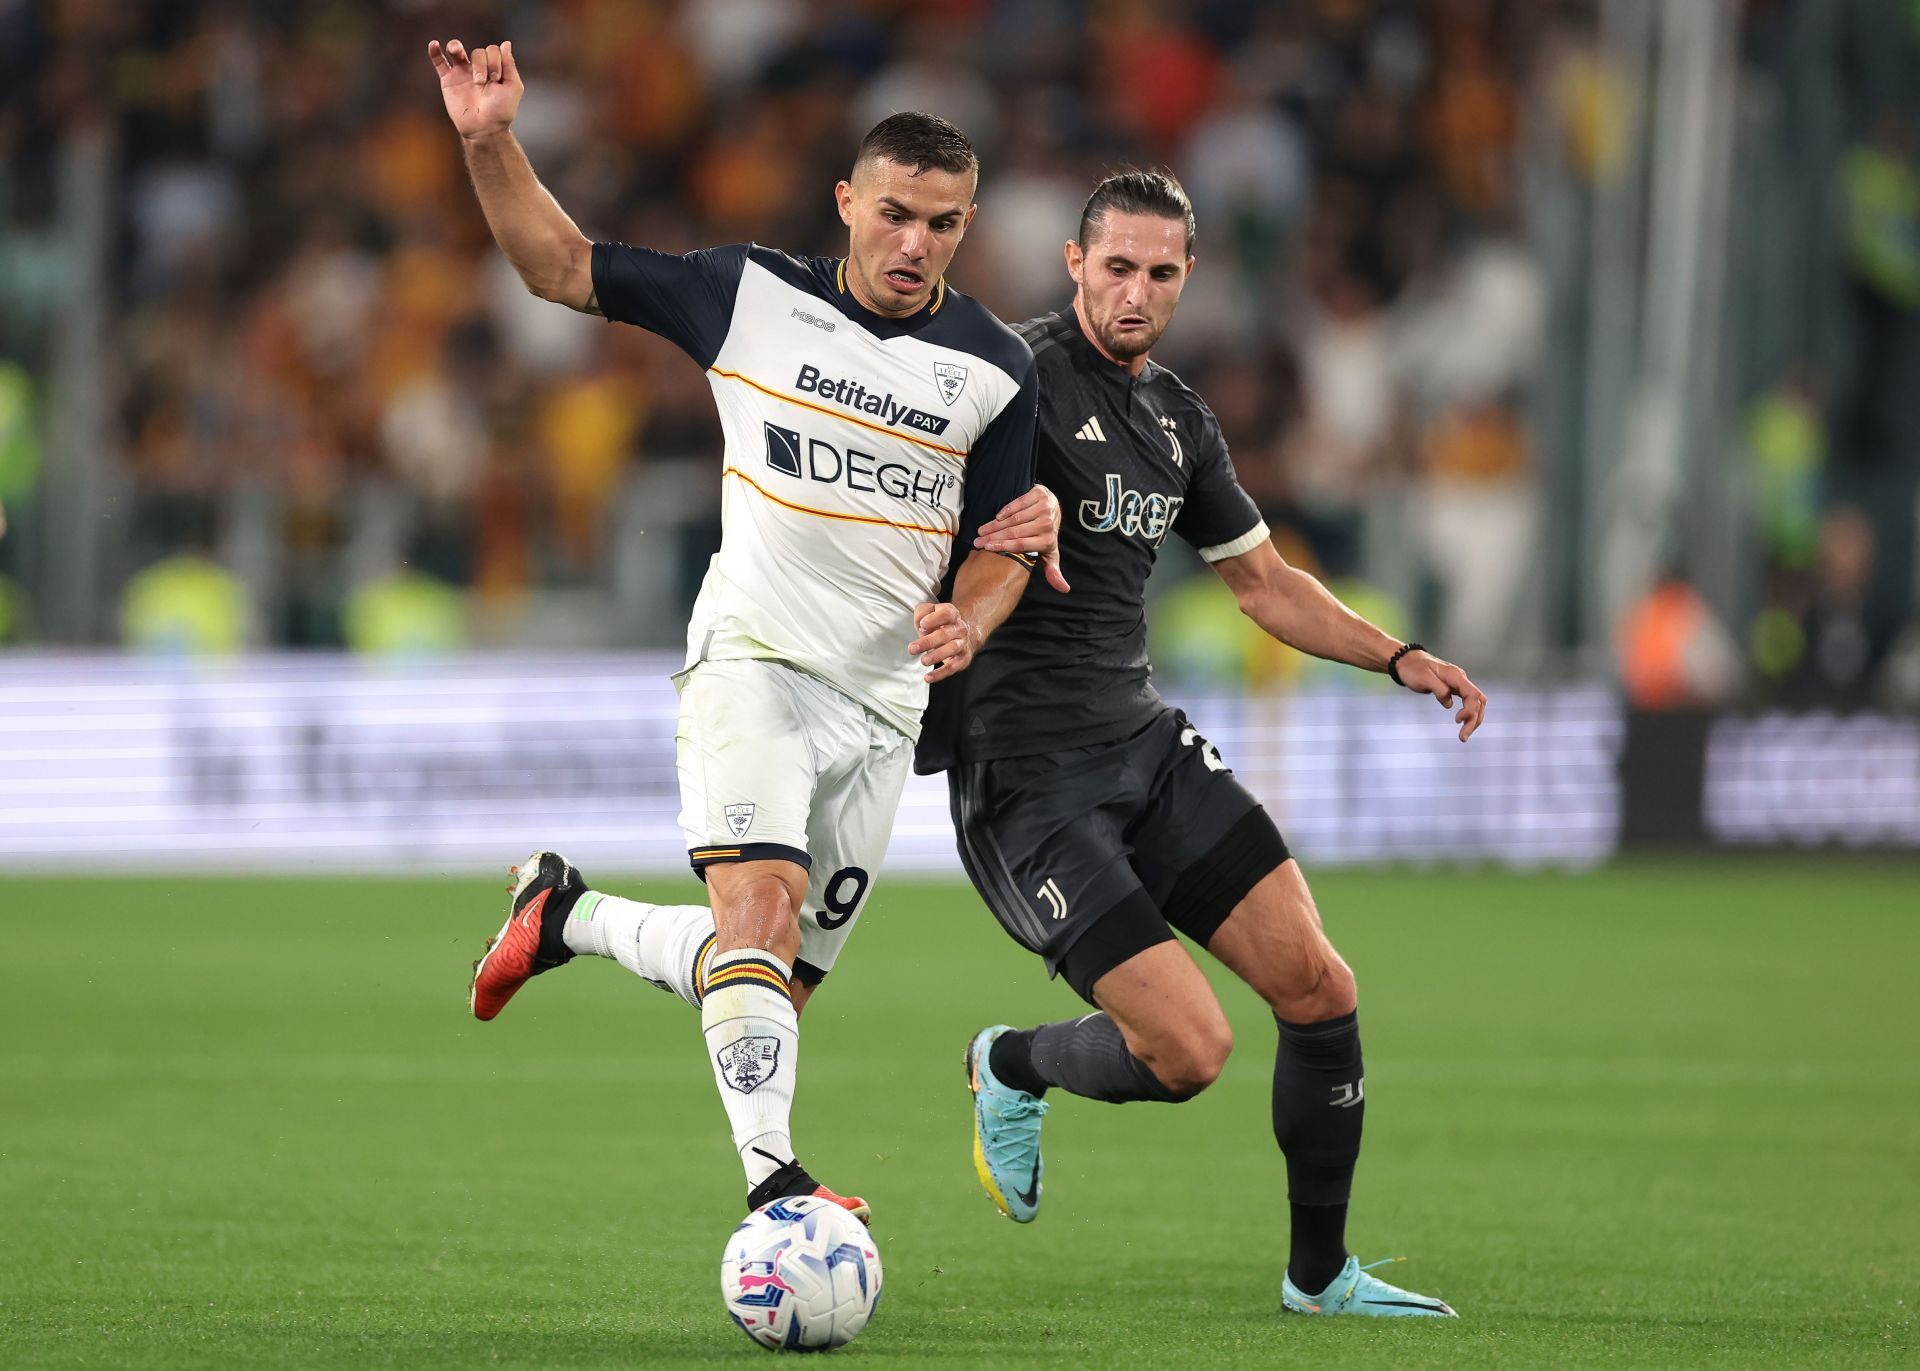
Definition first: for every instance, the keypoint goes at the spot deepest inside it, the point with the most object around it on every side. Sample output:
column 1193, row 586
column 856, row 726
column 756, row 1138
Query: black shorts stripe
column 987, row 864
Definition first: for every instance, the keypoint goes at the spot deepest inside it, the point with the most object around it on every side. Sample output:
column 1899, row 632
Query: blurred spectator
column 1822, row 637
column 1478, row 512
column 186, row 605
column 1349, row 412
column 19, row 437
column 936, row 67
column 1478, row 330
column 1882, row 194
column 1787, row 447
column 1029, row 208
column 16, row 614
column 1845, row 639
column 1674, row 652
column 1247, row 167
column 406, row 614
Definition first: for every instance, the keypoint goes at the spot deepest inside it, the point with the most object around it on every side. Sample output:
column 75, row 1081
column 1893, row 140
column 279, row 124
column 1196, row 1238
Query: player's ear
column 1074, row 259
column 843, row 199
column 1189, row 276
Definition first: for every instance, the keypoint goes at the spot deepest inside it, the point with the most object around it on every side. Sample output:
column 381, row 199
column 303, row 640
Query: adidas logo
column 1090, row 432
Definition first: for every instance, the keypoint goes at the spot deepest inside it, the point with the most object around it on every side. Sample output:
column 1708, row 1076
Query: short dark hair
column 1137, row 192
column 918, row 140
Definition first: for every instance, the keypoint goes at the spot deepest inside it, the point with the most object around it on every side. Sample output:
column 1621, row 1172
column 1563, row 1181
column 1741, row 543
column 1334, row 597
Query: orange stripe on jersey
column 830, row 514
column 836, row 414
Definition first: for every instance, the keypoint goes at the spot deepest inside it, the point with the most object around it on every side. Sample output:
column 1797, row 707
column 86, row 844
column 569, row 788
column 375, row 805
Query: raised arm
column 1295, row 608
column 482, row 91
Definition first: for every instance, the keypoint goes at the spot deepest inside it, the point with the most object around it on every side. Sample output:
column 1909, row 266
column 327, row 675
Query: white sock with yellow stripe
column 668, row 944
column 753, row 1037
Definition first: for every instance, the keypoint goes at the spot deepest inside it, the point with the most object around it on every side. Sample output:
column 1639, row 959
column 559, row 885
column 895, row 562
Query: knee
column 1191, row 1060
column 1320, row 986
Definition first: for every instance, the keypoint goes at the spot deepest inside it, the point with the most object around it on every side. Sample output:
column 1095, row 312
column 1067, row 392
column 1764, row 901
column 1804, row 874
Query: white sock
column 666, row 944
column 753, row 1037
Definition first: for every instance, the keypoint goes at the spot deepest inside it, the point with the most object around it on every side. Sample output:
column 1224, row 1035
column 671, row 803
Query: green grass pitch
column 1667, row 1115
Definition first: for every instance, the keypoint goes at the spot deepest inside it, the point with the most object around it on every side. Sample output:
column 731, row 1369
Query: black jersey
column 1132, row 459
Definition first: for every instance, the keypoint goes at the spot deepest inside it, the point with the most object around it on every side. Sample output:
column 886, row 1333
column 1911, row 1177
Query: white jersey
column 862, row 454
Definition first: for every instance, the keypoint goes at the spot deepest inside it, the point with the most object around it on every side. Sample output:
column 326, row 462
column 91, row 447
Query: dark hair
column 918, row 140
column 1137, row 192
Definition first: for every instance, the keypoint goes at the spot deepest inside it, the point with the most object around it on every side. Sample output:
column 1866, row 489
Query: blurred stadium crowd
column 333, row 416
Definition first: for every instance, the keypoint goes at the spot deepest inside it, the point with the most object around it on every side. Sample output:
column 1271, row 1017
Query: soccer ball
column 800, row 1274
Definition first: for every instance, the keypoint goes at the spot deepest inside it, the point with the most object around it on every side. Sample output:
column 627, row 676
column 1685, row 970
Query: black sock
column 1319, row 1246
column 1319, row 1096
column 1011, row 1060
column 1085, row 1056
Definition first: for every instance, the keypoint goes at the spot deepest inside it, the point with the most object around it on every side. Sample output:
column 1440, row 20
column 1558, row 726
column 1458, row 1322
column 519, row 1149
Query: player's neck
column 1133, row 366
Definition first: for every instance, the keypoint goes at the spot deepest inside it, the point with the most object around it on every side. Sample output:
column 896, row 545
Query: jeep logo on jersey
column 856, row 396
column 1132, row 513
column 952, row 379
column 814, row 459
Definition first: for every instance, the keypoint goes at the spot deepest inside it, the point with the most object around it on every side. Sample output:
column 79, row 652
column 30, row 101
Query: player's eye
column 893, row 218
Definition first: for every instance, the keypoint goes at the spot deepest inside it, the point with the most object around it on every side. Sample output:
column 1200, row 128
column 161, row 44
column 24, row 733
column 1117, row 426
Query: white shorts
column 775, row 763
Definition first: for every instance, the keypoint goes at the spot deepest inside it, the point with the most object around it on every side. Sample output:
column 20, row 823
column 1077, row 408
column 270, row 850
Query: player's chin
column 1128, row 343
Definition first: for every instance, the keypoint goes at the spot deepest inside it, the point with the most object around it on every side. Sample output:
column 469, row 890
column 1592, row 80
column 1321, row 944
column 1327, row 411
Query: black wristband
column 1393, row 662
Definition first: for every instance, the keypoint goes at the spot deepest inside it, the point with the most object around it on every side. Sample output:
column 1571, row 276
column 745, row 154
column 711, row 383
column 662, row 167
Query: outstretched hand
column 1431, row 675
column 1030, row 524
column 482, row 89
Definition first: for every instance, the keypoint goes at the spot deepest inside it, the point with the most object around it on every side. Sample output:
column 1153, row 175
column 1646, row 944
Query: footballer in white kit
column 860, row 451
column 879, row 519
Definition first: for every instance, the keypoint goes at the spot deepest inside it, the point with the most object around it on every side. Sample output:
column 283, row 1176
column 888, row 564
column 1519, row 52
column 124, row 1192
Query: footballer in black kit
column 1094, row 819
column 1076, row 791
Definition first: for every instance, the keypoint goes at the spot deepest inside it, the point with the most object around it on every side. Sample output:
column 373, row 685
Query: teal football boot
column 1355, row 1292
column 1006, row 1133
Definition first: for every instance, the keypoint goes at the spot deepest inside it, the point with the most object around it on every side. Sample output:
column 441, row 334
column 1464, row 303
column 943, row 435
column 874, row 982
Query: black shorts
column 1153, row 829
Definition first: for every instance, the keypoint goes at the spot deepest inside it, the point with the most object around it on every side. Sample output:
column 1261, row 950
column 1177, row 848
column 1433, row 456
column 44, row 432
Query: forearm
column 1294, row 607
column 545, row 246
column 986, row 591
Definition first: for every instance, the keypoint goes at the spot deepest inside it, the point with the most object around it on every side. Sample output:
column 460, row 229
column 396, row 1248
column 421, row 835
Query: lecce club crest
column 951, row 378
column 739, row 819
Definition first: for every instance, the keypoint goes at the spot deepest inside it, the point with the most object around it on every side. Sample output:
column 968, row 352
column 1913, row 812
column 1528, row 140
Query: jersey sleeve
column 686, row 300
column 1000, row 465
column 1219, row 518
